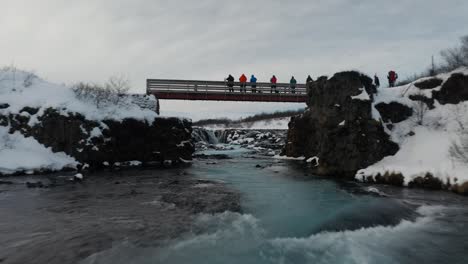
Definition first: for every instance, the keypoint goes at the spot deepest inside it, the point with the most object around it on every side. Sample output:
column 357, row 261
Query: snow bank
column 424, row 148
column 21, row 154
column 21, row 89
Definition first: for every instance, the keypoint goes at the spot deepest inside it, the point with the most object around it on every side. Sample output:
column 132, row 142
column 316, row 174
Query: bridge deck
column 219, row 91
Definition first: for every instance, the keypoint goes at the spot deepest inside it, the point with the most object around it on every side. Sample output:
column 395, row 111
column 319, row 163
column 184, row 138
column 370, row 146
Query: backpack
column 392, row 75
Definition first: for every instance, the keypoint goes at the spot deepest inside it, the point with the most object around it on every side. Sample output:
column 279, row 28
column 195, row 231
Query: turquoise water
column 290, row 216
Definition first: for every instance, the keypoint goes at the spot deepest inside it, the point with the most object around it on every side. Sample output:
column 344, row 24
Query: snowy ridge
column 21, row 89
column 424, row 148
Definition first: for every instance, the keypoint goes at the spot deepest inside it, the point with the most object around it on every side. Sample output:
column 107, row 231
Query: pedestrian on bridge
column 230, row 83
column 273, row 82
column 243, row 80
column 292, row 85
column 253, row 83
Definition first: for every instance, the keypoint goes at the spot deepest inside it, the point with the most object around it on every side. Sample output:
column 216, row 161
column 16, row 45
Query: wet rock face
column 394, row 112
column 166, row 139
column 454, row 90
column 338, row 128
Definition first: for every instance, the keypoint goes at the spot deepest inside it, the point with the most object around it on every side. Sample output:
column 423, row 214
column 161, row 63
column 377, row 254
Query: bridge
column 219, row 91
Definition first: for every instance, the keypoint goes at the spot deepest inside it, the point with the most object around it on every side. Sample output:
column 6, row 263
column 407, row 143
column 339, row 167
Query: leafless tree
column 456, row 57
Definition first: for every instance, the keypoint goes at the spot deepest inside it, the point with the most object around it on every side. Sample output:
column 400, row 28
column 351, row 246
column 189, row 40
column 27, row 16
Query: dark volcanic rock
column 213, row 156
column 420, row 97
column 166, row 139
column 394, row 112
column 427, row 182
column 454, row 90
column 4, row 106
column 429, row 83
column 342, row 147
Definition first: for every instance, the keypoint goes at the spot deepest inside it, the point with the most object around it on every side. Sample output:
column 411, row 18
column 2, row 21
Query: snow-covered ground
column 21, row 154
column 270, row 124
column 424, row 148
column 19, row 89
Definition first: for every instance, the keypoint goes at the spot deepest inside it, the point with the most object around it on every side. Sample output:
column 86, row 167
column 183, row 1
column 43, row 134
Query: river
column 290, row 216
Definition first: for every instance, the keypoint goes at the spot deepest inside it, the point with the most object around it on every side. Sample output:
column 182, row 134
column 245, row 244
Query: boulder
column 454, row 90
column 429, row 83
column 394, row 112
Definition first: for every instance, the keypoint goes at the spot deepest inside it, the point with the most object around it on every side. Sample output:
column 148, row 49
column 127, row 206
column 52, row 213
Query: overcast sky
column 89, row 40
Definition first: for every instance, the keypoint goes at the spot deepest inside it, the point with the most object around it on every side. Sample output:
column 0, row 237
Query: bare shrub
column 111, row 92
column 118, row 86
column 98, row 95
column 456, row 57
column 459, row 151
column 28, row 80
column 420, row 109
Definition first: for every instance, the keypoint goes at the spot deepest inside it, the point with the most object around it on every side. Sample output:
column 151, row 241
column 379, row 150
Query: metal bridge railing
column 193, row 86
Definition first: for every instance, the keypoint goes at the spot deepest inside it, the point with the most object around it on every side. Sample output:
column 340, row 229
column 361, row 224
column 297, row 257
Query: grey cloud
column 69, row 41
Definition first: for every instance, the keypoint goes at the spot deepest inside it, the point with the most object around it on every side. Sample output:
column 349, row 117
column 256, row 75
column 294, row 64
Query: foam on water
column 292, row 218
column 240, row 238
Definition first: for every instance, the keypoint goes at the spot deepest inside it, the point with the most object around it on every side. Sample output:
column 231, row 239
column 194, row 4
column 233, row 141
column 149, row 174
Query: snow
column 426, row 152
column 38, row 93
column 313, row 159
column 20, row 89
column 424, row 148
column 21, row 154
column 288, row 158
column 363, row 96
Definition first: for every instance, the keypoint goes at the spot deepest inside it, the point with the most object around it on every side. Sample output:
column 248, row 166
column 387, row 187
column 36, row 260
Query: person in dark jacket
column 253, row 82
column 376, row 81
column 292, row 85
column 230, row 83
column 308, row 83
column 273, row 82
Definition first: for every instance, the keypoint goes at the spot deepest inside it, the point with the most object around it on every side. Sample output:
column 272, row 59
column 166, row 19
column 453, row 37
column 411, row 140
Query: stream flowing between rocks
column 286, row 215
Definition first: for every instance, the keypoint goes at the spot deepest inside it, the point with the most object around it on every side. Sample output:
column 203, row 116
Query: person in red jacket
column 392, row 77
column 243, row 80
column 273, row 82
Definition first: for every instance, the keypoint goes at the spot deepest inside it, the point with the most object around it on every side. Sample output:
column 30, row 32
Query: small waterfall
column 203, row 135
column 222, row 135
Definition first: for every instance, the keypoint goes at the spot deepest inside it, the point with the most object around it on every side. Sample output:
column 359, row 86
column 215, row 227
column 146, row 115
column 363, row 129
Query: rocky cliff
column 339, row 127
column 107, row 142
column 413, row 135
column 48, row 127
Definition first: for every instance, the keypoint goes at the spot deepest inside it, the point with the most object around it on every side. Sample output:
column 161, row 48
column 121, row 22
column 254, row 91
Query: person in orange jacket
column 243, row 80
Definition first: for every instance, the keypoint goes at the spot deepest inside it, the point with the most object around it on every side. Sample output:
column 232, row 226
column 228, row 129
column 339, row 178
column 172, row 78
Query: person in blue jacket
column 253, row 82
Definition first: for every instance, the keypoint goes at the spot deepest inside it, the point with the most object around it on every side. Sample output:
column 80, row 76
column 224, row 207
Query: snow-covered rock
column 426, row 136
column 48, row 127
